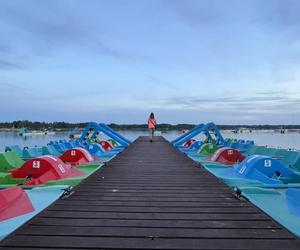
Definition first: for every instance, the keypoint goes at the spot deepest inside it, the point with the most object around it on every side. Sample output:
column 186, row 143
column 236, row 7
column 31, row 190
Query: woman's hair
column 151, row 115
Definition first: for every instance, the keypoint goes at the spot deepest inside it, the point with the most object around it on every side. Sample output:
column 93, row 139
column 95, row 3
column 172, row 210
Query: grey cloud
column 102, row 48
column 195, row 13
column 267, row 93
column 226, row 100
column 16, row 86
column 45, row 26
column 280, row 13
column 281, row 17
column 160, row 81
column 4, row 47
column 270, row 102
column 8, row 65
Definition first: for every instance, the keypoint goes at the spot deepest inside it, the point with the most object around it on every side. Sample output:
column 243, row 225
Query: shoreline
column 236, row 130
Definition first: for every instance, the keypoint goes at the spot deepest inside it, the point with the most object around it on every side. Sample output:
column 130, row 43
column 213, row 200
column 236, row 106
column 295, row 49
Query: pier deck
column 151, row 196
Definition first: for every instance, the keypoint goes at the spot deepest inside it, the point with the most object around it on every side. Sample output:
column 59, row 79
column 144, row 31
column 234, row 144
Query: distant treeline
column 166, row 126
column 41, row 125
column 258, row 127
column 163, row 126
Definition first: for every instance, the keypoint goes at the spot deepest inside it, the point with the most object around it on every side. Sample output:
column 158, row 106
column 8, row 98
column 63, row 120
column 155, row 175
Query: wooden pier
column 151, row 196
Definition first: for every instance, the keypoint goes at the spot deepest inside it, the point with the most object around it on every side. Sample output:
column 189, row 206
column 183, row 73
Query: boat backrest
column 261, row 150
column 290, row 158
column 296, row 164
column 271, row 151
column 280, row 153
column 208, row 148
column 16, row 149
column 251, row 150
column 9, row 160
column 31, row 152
column 50, row 150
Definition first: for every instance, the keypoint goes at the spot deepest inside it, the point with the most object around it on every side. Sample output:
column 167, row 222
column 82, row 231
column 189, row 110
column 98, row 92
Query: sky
column 230, row 62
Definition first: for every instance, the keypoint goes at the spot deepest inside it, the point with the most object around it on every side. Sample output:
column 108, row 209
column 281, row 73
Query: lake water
column 287, row 140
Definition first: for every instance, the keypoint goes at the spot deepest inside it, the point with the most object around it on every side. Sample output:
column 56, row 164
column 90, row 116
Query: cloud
column 280, row 14
column 281, row 19
column 274, row 92
column 4, row 47
column 47, row 26
column 270, row 102
column 160, row 82
column 274, row 14
column 195, row 13
column 7, row 65
column 15, row 87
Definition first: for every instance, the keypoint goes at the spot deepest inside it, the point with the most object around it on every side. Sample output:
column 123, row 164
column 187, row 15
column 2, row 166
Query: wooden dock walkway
column 151, row 196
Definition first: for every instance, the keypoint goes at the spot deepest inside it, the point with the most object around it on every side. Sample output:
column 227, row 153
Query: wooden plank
column 145, row 196
column 147, row 209
column 135, row 193
column 245, row 224
column 171, row 204
column 148, row 243
column 153, row 216
column 161, row 232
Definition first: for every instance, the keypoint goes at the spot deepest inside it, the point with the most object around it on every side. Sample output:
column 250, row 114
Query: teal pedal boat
column 283, row 205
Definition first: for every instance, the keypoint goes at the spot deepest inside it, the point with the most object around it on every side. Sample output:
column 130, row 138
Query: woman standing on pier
column 151, row 126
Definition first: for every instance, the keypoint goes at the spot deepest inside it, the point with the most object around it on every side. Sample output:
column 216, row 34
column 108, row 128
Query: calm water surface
column 287, row 140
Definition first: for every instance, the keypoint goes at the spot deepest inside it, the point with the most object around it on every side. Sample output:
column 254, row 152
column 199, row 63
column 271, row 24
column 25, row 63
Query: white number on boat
column 242, row 170
column 230, row 152
column 36, row 164
column 268, row 163
column 61, row 168
column 73, row 152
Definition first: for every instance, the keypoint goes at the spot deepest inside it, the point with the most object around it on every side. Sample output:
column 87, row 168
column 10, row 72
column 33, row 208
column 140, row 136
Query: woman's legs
column 151, row 134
